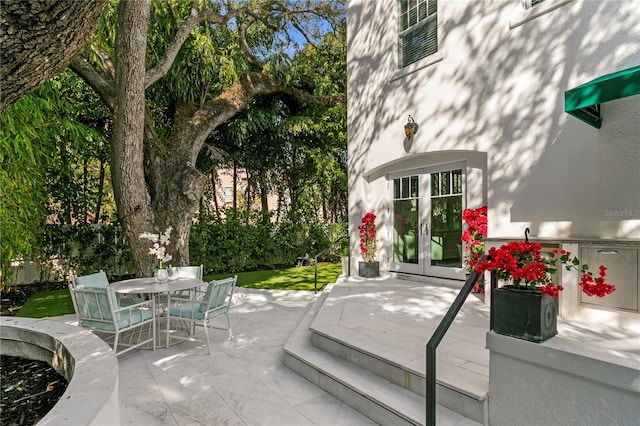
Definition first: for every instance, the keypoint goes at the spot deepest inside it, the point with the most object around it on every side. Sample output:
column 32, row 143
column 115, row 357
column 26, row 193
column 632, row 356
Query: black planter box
column 524, row 314
column 369, row 269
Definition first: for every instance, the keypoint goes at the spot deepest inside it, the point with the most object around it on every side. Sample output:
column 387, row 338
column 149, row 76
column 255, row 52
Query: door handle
column 424, row 228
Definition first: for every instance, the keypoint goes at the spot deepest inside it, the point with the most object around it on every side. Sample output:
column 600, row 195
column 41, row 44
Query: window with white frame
column 533, row 9
column 418, row 29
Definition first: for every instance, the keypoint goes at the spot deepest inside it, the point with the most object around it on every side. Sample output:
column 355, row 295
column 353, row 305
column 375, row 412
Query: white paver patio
column 243, row 382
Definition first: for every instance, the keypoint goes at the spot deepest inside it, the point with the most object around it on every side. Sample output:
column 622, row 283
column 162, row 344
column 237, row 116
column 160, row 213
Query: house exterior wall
column 493, row 98
column 561, row 382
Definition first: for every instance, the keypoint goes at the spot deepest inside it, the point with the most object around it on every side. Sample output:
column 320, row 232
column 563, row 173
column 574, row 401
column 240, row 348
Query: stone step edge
column 447, row 378
column 442, row 380
column 389, row 395
column 362, row 382
column 301, row 339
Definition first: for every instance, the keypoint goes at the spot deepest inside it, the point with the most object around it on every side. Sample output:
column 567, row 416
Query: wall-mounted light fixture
column 411, row 127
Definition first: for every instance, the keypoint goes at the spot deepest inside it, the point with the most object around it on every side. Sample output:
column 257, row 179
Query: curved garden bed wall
column 86, row 361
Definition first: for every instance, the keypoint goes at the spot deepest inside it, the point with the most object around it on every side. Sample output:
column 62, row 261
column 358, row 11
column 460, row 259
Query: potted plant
column 369, row 268
column 526, row 306
column 159, row 250
column 473, row 237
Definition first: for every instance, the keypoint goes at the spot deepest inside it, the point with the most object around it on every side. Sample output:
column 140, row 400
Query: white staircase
column 388, row 389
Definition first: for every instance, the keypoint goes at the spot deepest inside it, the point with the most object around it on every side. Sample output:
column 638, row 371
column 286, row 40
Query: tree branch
column 234, row 99
column 100, row 82
column 183, row 33
column 244, row 46
column 296, row 25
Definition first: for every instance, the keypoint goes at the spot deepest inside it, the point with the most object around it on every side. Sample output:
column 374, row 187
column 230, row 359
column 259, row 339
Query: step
column 463, row 393
column 427, row 280
column 343, row 326
column 382, row 400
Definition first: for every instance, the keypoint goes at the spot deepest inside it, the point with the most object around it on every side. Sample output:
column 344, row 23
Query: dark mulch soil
column 28, row 391
column 28, row 388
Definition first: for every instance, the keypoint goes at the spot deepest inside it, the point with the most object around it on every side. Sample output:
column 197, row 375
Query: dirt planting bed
column 29, row 390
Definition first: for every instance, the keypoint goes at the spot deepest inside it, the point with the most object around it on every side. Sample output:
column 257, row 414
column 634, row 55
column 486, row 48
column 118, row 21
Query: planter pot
column 524, row 314
column 369, row 269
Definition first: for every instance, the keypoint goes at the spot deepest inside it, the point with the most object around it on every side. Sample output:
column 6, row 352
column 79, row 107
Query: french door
column 427, row 222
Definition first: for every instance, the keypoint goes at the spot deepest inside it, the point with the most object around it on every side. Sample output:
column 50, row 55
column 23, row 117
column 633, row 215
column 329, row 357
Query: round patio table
column 149, row 286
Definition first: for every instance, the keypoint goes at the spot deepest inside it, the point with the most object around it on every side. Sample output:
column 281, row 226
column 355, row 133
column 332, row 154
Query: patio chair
column 100, row 280
column 214, row 303
column 97, row 308
column 187, row 272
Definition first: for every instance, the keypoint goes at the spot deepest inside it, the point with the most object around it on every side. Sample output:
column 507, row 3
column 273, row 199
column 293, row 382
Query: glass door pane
column 446, row 219
column 406, row 217
column 406, row 239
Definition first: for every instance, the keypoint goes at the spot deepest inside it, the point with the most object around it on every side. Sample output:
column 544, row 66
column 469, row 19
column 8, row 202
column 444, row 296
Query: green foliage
column 23, row 159
column 54, row 147
column 323, row 67
column 78, row 178
column 83, row 249
column 229, row 246
column 296, row 149
column 55, row 144
column 232, row 245
column 209, row 61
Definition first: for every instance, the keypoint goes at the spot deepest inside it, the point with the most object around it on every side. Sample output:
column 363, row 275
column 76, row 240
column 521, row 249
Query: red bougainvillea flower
column 474, row 234
column 368, row 237
column 524, row 265
column 597, row 287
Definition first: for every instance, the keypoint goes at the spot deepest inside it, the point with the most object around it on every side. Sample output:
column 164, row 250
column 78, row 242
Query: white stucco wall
column 561, row 382
column 498, row 91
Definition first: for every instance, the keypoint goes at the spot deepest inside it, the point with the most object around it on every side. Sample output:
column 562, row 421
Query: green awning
column 584, row 101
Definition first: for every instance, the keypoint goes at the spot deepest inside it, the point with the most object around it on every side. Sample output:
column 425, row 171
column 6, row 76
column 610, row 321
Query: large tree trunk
column 127, row 154
column 155, row 187
column 38, row 40
column 176, row 188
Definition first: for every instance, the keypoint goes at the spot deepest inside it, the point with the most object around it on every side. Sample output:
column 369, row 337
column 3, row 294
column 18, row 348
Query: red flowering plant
column 368, row 237
column 523, row 265
column 473, row 237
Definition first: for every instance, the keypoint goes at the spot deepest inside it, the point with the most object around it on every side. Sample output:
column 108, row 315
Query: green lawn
column 47, row 304
column 286, row 279
column 58, row 302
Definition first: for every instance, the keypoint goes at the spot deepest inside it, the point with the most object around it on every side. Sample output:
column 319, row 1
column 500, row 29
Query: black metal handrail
column 437, row 337
column 315, row 263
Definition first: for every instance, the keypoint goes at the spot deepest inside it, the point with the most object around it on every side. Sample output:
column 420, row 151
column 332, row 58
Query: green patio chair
column 97, row 308
column 187, row 272
column 215, row 302
column 100, row 280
